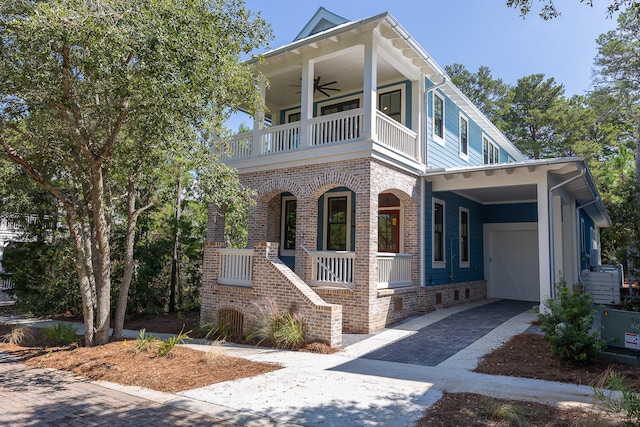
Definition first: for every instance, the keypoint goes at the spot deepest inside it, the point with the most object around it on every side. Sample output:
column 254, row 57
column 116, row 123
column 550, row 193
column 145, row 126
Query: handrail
column 328, row 270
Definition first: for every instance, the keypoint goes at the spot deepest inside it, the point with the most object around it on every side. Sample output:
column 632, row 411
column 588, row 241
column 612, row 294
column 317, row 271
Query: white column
column 544, row 259
column 258, row 125
column 418, row 106
column 370, row 89
column 306, row 103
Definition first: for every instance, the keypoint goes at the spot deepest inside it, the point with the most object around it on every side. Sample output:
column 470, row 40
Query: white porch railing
column 394, row 270
column 278, row 139
column 236, row 267
column 396, row 136
column 339, row 127
column 333, row 268
column 240, row 147
column 5, row 282
column 346, row 126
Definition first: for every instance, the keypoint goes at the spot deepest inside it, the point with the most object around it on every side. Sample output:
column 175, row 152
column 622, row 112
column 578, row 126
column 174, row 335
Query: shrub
column 566, row 324
column 166, row 347
column 144, row 342
column 281, row 330
column 18, row 335
column 60, row 333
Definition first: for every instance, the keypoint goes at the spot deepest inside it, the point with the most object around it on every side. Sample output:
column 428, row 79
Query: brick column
column 366, row 261
column 306, row 235
column 210, row 272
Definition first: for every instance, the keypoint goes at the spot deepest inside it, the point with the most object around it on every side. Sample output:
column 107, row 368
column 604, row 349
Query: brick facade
column 366, row 308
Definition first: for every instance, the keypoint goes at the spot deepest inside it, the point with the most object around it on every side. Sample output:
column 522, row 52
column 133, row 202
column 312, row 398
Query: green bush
column 60, row 333
column 165, row 347
column 282, row 330
column 566, row 323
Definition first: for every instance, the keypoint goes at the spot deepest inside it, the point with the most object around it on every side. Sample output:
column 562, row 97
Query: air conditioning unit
column 594, row 260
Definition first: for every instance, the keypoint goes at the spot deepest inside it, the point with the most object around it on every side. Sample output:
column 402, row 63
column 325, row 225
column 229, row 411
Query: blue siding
column 475, row 271
column 585, row 238
column 510, row 212
column 449, row 155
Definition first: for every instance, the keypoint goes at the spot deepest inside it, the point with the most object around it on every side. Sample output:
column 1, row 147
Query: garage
column 511, row 261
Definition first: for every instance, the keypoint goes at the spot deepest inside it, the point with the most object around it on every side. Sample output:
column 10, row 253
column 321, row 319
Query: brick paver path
column 437, row 342
column 44, row 397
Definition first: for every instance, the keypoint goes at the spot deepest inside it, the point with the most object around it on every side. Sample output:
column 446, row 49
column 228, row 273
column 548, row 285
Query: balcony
column 337, row 132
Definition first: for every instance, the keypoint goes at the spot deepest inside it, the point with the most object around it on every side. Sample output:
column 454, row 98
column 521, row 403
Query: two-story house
column 383, row 192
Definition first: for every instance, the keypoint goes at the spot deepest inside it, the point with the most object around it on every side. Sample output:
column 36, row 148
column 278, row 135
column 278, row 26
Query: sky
column 474, row 33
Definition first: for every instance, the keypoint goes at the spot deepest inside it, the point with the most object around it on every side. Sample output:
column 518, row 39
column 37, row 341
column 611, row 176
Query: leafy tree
column 96, row 95
column 617, row 78
column 529, row 123
column 489, row 94
column 549, row 11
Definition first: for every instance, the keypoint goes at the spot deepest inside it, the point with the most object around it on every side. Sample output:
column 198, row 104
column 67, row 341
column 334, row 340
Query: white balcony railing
column 339, row 127
column 396, row 136
column 236, row 267
column 5, row 282
column 394, row 270
column 343, row 127
column 333, row 268
column 278, row 139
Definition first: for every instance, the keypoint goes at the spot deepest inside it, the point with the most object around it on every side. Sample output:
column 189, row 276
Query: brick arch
column 276, row 186
column 405, row 198
column 323, row 182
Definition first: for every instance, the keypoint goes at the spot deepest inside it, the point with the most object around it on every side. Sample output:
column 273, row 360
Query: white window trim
column 325, row 217
column 437, row 138
column 285, row 252
column 400, row 209
column 463, row 156
column 332, row 101
column 491, row 145
column 443, row 263
column 464, row 264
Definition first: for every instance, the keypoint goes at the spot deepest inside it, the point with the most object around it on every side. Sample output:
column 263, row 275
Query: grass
column 18, row 335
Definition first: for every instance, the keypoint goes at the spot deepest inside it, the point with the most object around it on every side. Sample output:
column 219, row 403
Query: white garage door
column 513, row 264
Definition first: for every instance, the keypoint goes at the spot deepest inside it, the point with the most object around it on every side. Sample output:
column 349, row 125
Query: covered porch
column 541, row 220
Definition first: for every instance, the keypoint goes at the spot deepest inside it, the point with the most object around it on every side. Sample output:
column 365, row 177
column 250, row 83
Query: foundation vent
column 230, row 322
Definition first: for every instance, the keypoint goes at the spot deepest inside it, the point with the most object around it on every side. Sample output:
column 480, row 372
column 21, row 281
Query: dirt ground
column 526, row 355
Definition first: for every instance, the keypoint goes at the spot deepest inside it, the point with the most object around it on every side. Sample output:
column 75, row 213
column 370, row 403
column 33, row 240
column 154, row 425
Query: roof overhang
column 518, row 183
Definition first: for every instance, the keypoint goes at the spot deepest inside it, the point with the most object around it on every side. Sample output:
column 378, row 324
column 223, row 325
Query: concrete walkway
column 342, row 389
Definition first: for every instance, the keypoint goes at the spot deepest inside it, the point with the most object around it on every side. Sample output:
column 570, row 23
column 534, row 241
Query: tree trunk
column 103, row 256
column 86, row 289
column 132, row 221
column 174, row 257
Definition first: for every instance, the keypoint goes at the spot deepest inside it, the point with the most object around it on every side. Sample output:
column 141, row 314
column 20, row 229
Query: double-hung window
column 464, row 137
column 464, row 238
column 439, row 246
column 390, row 103
column 438, row 118
column 490, row 152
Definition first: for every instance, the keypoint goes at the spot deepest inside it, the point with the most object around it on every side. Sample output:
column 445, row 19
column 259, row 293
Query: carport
column 542, row 237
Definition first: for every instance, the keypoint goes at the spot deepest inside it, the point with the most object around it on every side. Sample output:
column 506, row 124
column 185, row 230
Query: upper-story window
column 438, row 118
column 390, row 103
column 490, row 151
column 293, row 117
column 341, row 106
column 464, row 137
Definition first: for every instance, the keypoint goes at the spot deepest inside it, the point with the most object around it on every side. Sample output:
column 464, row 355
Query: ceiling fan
column 322, row 88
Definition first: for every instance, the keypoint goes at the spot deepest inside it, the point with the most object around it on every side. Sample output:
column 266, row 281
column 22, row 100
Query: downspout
column 551, row 229
column 422, row 236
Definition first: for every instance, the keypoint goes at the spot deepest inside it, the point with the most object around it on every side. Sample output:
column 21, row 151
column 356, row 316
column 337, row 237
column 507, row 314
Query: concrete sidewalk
column 344, row 389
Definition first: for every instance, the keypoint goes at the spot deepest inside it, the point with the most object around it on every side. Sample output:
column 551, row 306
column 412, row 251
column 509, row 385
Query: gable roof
column 322, row 20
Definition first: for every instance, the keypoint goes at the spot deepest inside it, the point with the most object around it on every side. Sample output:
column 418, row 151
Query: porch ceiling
column 518, row 182
column 346, row 68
